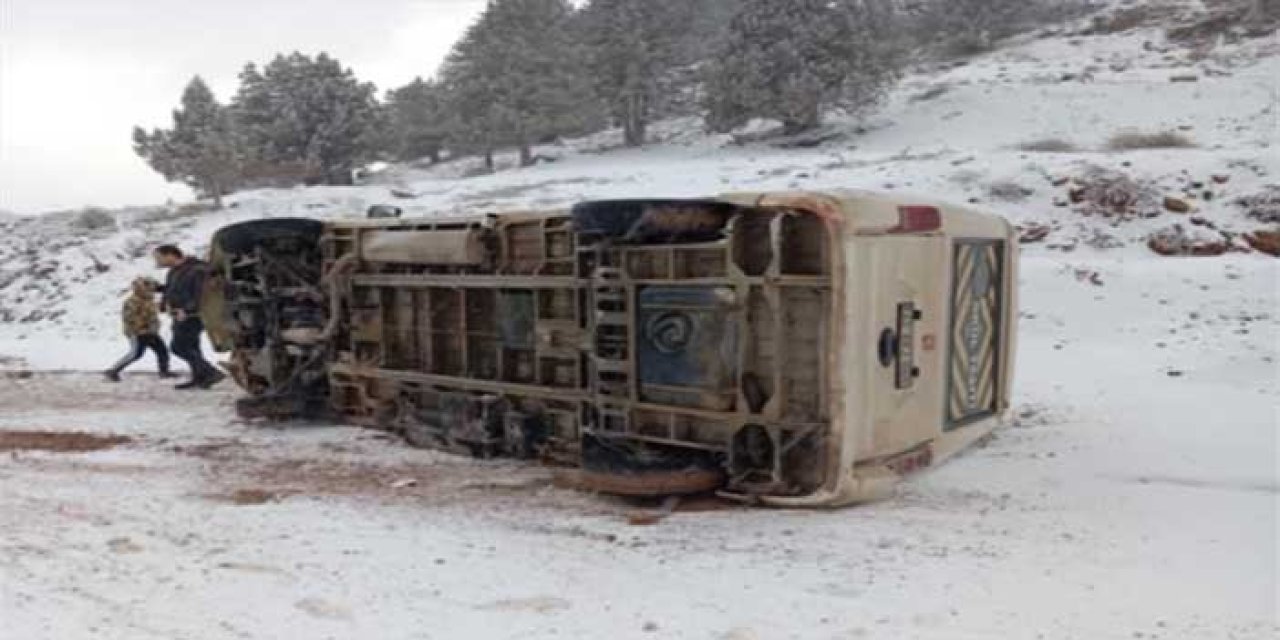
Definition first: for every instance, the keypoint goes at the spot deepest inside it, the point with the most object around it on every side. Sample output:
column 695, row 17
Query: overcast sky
column 77, row 75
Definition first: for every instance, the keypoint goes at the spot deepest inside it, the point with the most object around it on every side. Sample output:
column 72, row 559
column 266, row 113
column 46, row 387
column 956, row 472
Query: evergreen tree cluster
column 527, row 72
column 297, row 120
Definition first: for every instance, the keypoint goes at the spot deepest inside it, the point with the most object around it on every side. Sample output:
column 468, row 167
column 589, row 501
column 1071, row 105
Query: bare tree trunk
column 809, row 117
column 526, row 155
column 211, row 189
column 633, row 122
column 796, row 127
column 488, row 160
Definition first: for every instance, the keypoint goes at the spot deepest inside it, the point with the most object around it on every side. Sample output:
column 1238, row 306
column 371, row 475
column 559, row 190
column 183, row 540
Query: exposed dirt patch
column 81, row 465
column 58, row 441
column 326, row 477
column 652, row 483
column 219, row 450
column 250, row 496
column 436, row 483
column 24, row 390
column 707, row 503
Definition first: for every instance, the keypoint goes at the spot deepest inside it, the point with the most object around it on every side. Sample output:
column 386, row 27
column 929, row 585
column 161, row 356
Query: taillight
column 917, row 219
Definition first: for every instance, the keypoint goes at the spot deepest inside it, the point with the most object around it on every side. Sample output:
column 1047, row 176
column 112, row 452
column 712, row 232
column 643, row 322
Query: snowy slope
column 1133, row 497
column 952, row 134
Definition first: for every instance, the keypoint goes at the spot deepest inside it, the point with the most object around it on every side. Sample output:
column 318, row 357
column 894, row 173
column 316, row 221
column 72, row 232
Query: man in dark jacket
column 183, row 287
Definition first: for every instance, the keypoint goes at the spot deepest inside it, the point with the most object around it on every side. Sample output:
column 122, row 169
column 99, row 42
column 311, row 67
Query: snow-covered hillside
column 1016, row 131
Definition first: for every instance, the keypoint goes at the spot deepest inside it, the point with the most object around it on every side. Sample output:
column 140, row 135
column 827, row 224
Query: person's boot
column 111, row 376
column 167, row 374
column 213, row 378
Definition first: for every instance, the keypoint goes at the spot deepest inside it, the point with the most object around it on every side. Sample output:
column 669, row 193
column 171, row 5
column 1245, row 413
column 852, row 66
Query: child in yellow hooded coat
column 141, row 323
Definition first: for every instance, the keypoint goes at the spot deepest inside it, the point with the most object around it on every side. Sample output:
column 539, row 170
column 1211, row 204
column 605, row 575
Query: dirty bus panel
column 787, row 348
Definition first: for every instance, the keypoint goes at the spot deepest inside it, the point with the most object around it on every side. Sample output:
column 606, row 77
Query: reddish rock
column 1266, row 241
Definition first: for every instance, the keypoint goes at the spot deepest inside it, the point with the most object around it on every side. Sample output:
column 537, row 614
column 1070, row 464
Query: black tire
column 244, row 236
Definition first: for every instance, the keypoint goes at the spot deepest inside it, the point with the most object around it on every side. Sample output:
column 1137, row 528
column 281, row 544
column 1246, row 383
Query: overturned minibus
column 791, row 349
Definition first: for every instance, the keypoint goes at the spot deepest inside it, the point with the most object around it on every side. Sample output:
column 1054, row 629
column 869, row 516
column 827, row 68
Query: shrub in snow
column 94, row 219
column 1177, row 240
column 1008, row 191
column 1229, row 20
column 1099, row 239
column 1048, row 145
column 1113, row 194
column 1130, row 140
column 790, row 60
column 1126, row 18
column 1263, row 206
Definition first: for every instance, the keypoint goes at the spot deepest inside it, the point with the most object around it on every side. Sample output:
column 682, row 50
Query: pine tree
column 1263, row 10
column 634, row 46
column 972, row 26
column 478, row 122
column 709, row 26
column 305, row 117
column 515, row 79
column 789, row 60
column 417, row 121
column 201, row 150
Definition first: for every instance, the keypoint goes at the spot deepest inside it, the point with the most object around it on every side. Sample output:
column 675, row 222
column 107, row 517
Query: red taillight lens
column 917, row 219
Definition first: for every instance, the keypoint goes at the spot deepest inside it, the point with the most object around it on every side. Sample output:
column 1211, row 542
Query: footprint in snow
column 323, row 609
column 539, row 604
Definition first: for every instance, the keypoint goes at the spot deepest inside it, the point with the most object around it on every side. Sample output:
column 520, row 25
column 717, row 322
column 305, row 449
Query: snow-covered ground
column 1136, row 495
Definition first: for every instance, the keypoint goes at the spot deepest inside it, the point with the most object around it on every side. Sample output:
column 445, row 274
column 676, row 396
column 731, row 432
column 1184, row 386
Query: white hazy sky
column 77, row 75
